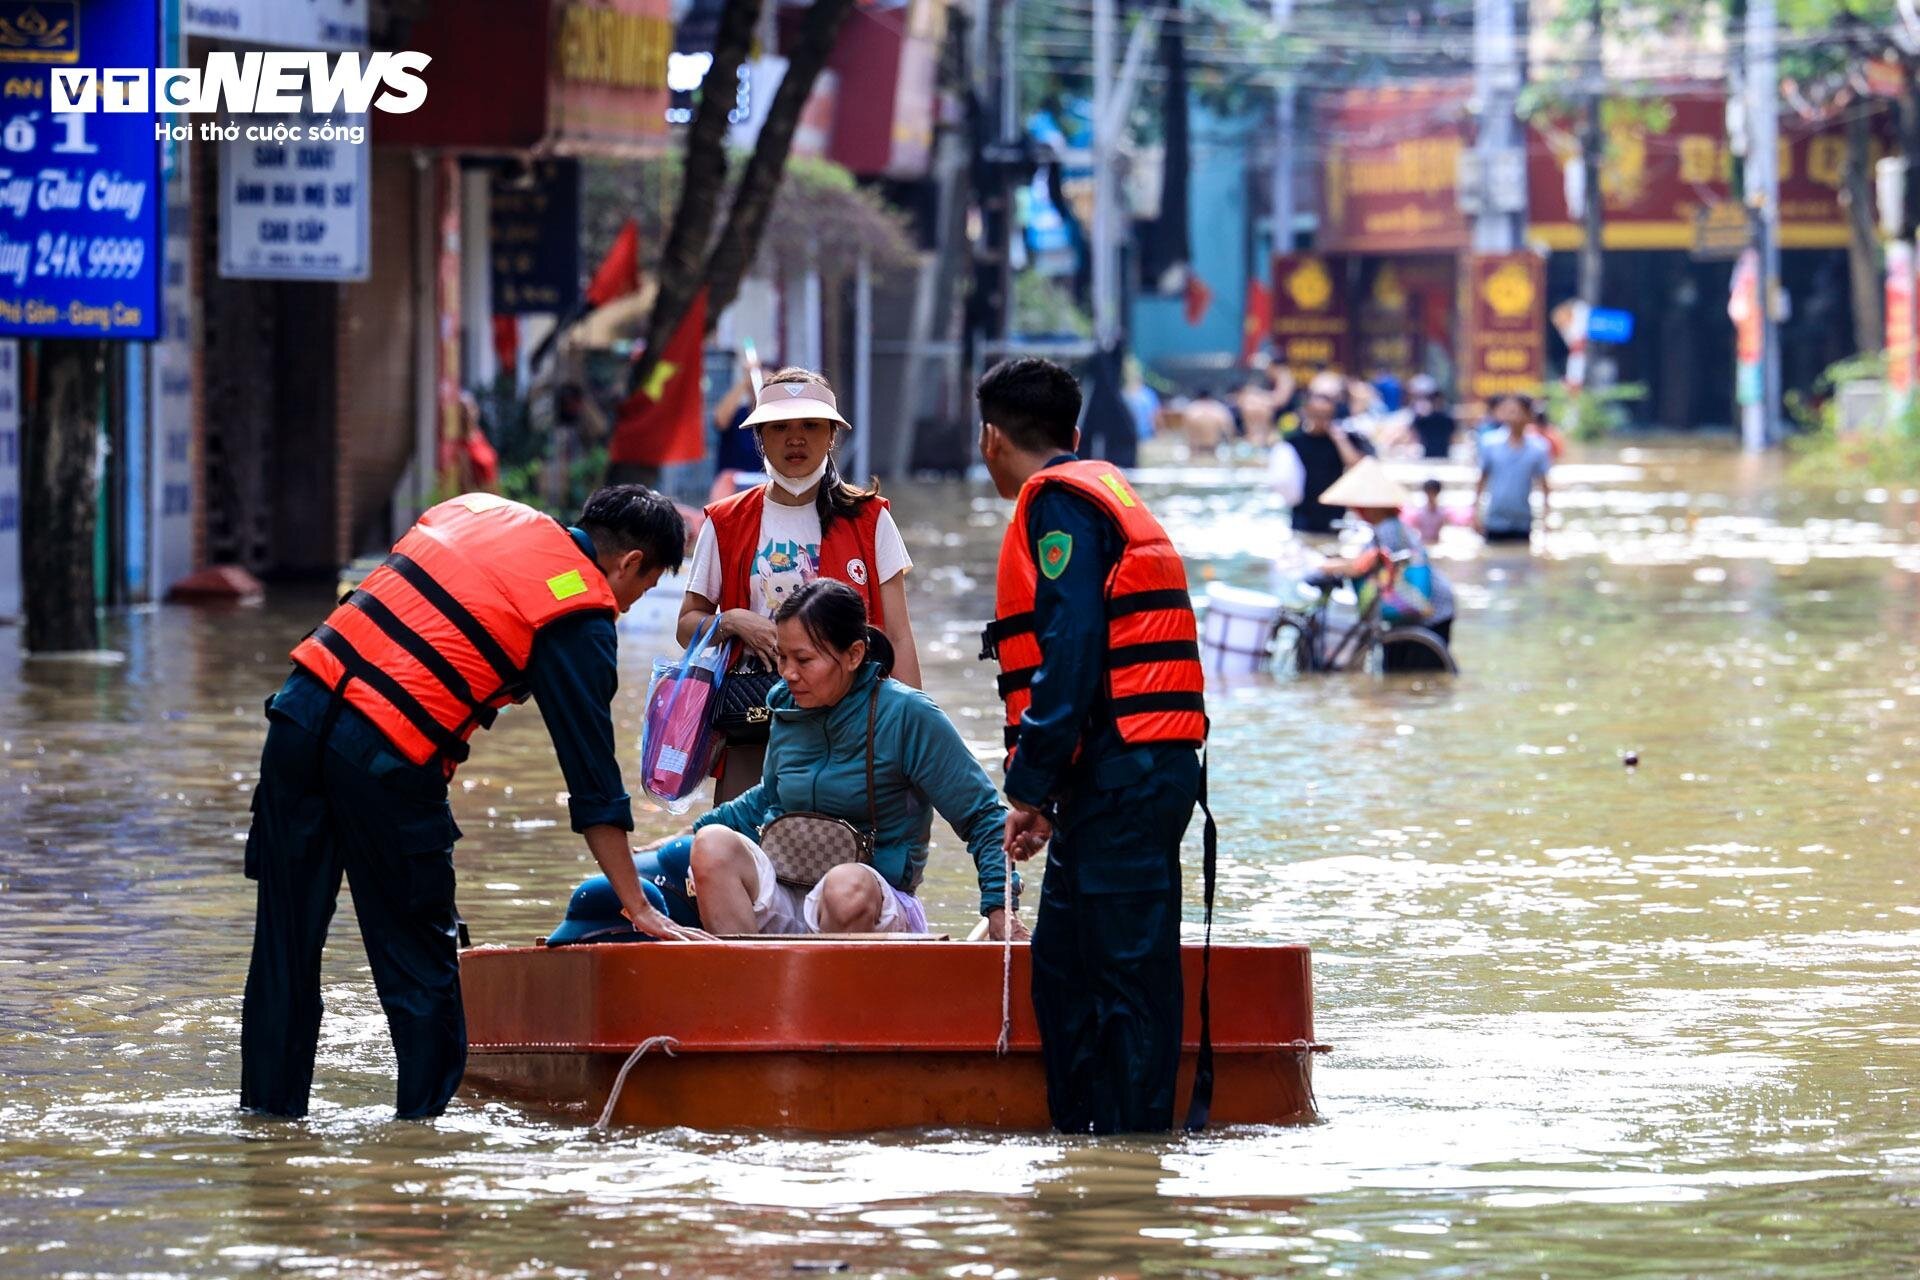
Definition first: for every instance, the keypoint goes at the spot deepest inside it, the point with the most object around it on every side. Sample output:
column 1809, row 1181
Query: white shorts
column 782, row 908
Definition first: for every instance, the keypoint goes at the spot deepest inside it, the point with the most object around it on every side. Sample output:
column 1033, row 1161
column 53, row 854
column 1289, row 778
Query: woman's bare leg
column 724, row 880
column 850, row 901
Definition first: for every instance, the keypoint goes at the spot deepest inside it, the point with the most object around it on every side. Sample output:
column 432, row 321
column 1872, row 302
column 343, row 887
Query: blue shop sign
column 81, row 200
column 1604, row 324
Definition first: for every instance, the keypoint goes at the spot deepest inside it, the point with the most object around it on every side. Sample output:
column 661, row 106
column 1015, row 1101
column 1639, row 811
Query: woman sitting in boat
column 832, row 662
column 834, row 669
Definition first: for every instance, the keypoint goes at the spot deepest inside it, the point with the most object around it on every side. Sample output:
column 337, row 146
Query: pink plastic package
column 678, row 743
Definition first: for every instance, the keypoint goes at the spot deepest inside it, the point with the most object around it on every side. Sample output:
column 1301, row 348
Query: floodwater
column 1588, row 1021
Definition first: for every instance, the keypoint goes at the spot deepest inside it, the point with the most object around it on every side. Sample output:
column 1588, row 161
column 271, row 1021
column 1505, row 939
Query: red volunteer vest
column 846, row 549
column 436, row 640
column 1155, row 686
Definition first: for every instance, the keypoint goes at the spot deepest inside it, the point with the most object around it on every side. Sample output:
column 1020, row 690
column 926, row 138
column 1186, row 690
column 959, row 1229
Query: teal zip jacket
column 817, row 762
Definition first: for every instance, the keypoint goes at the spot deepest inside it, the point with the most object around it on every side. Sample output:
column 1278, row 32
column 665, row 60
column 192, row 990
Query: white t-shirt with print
column 788, row 555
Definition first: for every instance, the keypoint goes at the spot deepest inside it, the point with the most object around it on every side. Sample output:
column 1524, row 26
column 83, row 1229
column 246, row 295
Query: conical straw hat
column 1366, row 484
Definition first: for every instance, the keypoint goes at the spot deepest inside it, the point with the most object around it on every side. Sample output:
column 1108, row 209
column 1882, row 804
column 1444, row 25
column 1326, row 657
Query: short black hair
column 631, row 517
column 1500, row 398
column 1035, row 402
column 1430, row 485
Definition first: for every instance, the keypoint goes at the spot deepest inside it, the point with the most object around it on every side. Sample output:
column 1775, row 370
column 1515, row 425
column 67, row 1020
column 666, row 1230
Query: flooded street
column 1588, row 1021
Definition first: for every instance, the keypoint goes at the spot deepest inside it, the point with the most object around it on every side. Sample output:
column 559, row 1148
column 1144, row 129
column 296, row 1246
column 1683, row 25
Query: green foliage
column 1823, row 454
column 1592, row 413
column 1043, row 306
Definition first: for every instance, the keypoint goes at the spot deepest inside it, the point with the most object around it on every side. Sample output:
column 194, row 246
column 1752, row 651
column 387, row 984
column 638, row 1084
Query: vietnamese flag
column 664, row 421
column 1259, row 321
column 619, row 272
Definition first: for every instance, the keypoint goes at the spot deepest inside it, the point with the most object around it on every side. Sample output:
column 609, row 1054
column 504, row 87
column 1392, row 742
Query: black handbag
column 744, row 717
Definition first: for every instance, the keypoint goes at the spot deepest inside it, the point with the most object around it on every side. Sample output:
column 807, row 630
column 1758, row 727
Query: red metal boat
column 839, row 1035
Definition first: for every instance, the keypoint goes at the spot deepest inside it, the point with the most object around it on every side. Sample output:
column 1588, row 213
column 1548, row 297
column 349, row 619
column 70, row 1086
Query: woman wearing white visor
column 761, row 545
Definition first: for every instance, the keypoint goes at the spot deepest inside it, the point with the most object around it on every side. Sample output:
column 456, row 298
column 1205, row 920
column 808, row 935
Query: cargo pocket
column 250, row 864
column 423, row 848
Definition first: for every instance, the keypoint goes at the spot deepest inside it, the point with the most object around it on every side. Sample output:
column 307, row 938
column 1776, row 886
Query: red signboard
column 888, row 61
column 1392, row 170
column 573, row 76
column 1659, row 173
column 1507, row 336
column 1310, row 330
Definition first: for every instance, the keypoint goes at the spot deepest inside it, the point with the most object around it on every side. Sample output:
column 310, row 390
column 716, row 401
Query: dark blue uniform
column 334, row 797
column 1106, row 944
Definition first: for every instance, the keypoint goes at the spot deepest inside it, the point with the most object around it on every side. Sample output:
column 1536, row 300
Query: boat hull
column 840, row 1036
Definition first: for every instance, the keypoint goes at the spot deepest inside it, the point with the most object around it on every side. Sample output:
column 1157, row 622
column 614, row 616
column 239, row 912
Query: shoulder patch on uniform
column 565, row 586
column 1111, row 479
column 1055, row 550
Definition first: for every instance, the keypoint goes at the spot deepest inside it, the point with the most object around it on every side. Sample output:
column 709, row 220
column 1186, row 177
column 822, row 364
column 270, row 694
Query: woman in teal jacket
column 831, row 663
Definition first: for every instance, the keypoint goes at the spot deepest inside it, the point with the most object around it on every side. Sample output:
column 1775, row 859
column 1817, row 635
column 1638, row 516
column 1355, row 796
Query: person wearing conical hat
column 1412, row 592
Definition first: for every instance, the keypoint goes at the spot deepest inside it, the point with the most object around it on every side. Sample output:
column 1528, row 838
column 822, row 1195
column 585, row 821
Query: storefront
column 1396, row 243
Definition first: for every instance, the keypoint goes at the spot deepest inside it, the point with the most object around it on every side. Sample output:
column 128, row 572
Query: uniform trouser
column 1106, row 954
column 317, row 814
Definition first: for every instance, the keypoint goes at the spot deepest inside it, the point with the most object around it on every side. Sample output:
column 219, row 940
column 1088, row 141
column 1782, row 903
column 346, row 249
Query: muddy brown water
column 1590, row 1021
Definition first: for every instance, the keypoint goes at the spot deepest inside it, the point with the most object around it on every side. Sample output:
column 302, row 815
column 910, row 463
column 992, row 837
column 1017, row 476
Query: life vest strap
column 1140, row 704
column 1133, row 602
column 1130, row 655
column 511, row 677
column 387, row 687
column 423, row 653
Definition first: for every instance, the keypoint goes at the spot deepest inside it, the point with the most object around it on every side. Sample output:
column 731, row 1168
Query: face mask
column 800, row 484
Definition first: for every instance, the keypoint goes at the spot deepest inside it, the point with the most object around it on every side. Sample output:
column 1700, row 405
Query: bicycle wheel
column 1419, row 641
column 1290, row 650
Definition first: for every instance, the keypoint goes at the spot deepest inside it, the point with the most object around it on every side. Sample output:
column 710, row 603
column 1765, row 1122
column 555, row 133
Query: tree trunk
column 1593, row 144
column 58, row 496
column 753, row 199
column 703, row 179
column 1863, row 245
column 1167, row 253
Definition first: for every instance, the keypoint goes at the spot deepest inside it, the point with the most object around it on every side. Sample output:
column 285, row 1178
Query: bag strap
column 873, row 718
column 1200, row 1104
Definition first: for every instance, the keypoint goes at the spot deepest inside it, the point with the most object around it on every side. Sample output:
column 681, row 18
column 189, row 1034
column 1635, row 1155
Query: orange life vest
column 1155, row 685
column 436, row 640
column 846, row 549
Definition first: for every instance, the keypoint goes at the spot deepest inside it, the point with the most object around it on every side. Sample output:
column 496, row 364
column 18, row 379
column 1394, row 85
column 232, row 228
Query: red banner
column 1310, row 330
column 1900, row 318
column 1507, row 336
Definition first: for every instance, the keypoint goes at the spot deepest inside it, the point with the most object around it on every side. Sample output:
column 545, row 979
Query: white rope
column 1006, row 957
column 665, row 1044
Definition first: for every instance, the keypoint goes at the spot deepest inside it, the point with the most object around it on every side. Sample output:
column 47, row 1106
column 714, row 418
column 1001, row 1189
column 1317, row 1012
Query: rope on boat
column 1012, row 905
column 665, row 1044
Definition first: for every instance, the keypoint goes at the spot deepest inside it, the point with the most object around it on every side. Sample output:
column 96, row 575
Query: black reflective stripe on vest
column 511, row 677
column 1149, row 602
column 1134, row 655
column 423, row 653
column 1141, row 704
column 387, row 687
column 1127, row 655
column 1012, row 735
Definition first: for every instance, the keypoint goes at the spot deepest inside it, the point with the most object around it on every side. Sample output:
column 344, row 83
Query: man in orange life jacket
column 1100, row 671
column 482, row 603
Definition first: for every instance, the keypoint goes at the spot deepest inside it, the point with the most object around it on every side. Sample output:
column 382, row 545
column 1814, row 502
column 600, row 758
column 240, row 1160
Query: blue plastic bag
column 678, row 744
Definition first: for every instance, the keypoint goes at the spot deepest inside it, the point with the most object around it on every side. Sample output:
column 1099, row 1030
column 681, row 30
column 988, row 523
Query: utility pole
column 1106, row 220
column 1010, row 139
column 1285, row 106
column 1497, row 225
column 1759, row 423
